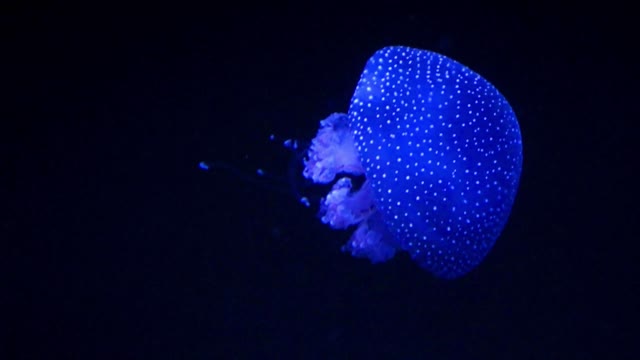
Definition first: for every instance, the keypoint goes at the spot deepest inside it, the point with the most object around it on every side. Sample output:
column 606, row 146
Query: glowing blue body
column 442, row 152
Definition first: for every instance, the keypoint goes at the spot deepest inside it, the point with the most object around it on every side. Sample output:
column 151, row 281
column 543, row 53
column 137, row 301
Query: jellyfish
column 440, row 152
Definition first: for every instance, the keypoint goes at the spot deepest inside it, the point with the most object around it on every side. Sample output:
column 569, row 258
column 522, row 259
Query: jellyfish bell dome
column 441, row 151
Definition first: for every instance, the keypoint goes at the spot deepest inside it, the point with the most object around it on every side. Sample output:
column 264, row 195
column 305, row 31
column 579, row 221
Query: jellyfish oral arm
column 344, row 207
column 333, row 152
column 372, row 240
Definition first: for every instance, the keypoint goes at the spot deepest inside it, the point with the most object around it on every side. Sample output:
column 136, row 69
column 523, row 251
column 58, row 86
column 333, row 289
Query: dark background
column 120, row 247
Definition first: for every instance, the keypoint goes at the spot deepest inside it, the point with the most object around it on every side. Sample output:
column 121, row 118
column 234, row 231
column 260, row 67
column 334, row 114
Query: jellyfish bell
column 440, row 152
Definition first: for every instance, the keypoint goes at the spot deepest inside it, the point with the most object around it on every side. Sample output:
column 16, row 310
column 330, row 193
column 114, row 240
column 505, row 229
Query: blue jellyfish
column 440, row 152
